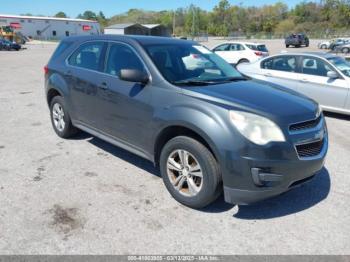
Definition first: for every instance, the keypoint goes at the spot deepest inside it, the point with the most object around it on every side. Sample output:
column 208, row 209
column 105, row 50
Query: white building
column 50, row 27
column 137, row 29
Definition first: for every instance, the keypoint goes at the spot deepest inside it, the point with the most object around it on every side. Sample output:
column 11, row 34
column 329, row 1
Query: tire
column 287, row 46
column 323, row 47
column 65, row 130
column 345, row 50
column 208, row 187
column 307, row 45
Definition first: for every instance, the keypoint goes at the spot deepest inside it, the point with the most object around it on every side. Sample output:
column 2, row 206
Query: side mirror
column 332, row 75
column 134, row 75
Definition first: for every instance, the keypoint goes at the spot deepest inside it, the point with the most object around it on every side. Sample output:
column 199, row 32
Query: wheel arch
column 173, row 131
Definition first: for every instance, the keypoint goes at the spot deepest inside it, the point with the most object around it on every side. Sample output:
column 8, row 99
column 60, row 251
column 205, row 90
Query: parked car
column 297, row 40
column 241, row 52
column 327, row 44
column 323, row 77
column 324, row 44
column 338, row 43
column 8, row 45
column 345, row 48
column 208, row 128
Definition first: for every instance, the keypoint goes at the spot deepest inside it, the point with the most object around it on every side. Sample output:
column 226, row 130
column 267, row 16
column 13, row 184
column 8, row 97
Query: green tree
column 61, row 15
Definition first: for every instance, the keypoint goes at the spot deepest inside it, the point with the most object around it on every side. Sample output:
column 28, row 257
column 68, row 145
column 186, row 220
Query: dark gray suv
column 177, row 104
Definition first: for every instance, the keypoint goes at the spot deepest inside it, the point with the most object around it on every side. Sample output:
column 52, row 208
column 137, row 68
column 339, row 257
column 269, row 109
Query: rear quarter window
column 63, row 46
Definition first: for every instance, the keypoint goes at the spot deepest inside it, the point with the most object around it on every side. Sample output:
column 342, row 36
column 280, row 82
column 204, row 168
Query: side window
column 314, row 66
column 87, row 56
column 224, row 47
column 237, row 47
column 280, row 63
column 121, row 57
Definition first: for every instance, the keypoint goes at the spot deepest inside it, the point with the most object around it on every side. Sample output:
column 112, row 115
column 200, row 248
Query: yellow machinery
column 8, row 33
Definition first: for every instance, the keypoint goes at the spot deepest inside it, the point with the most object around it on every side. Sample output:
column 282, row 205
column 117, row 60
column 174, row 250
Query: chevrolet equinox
column 174, row 102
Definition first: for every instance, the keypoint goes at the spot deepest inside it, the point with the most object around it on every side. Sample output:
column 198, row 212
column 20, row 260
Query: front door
column 330, row 93
column 124, row 109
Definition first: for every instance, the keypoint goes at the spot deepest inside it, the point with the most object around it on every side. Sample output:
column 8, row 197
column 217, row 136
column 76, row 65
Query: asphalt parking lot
column 84, row 196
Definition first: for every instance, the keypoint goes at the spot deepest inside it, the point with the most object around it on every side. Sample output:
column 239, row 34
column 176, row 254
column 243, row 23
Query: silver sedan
column 321, row 76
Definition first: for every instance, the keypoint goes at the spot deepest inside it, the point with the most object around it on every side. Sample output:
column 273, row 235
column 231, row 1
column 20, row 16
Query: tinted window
column 87, row 56
column 237, row 47
column 261, row 48
column 121, row 57
column 60, row 49
column 280, row 63
column 224, row 47
column 314, row 66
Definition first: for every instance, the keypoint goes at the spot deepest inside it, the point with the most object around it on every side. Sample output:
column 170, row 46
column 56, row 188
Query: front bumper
column 264, row 173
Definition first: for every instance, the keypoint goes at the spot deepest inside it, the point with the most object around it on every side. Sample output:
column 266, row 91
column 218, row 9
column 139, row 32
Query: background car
column 323, row 77
column 339, row 42
column 239, row 52
column 324, row 44
column 297, row 40
column 8, row 45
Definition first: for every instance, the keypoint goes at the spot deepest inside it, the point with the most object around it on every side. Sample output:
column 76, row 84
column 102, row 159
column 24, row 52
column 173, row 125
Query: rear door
column 314, row 83
column 282, row 70
column 238, row 52
column 82, row 74
column 224, row 52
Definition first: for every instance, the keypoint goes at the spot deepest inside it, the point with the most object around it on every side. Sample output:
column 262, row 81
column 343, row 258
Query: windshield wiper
column 234, row 79
column 194, row 82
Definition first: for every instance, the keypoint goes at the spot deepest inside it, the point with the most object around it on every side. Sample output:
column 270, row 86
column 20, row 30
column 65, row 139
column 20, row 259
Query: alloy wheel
column 185, row 173
column 58, row 117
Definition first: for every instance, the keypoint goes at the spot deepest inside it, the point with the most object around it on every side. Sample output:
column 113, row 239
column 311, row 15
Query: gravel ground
column 84, row 196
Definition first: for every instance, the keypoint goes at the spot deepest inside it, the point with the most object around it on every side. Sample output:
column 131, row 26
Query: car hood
column 267, row 99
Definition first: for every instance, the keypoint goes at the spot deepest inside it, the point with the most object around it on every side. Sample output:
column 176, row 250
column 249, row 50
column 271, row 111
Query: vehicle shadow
column 293, row 201
column 125, row 155
column 337, row 116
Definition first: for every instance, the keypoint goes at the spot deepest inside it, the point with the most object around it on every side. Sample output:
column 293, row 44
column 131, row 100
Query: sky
column 111, row 7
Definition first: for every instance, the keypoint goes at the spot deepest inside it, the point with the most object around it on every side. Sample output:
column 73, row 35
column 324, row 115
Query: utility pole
column 174, row 22
column 193, row 22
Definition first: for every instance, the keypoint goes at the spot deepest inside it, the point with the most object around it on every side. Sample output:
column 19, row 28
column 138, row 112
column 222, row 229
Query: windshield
column 341, row 64
column 189, row 64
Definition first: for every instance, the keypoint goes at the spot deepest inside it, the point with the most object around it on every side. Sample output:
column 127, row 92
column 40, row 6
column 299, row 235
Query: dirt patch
column 2, row 147
column 36, row 124
column 90, row 174
column 66, row 220
column 25, row 93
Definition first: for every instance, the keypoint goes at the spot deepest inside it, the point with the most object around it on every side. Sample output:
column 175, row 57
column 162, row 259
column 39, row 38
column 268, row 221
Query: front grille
column 310, row 149
column 305, row 125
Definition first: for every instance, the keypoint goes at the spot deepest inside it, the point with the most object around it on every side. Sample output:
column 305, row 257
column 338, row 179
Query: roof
column 122, row 26
column 142, row 39
column 151, row 26
column 321, row 54
column 46, row 18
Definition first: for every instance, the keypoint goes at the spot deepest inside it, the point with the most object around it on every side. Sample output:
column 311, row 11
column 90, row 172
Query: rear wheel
column 190, row 172
column 60, row 118
column 323, row 47
column 287, row 46
column 345, row 50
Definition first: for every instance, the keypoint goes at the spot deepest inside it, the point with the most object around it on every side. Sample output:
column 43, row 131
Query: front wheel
column 190, row 172
column 345, row 50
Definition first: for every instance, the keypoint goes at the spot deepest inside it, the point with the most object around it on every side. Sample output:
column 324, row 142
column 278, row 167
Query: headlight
column 257, row 129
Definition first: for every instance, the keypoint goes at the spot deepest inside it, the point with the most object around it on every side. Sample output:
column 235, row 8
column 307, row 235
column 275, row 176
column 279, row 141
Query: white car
column 239, row 52
column 323, row 77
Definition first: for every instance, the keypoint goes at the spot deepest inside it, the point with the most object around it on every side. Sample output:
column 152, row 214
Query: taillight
column 46, row 70
column 258, row 53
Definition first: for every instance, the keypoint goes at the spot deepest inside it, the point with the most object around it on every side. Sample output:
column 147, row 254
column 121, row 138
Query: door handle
column 104, row 86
